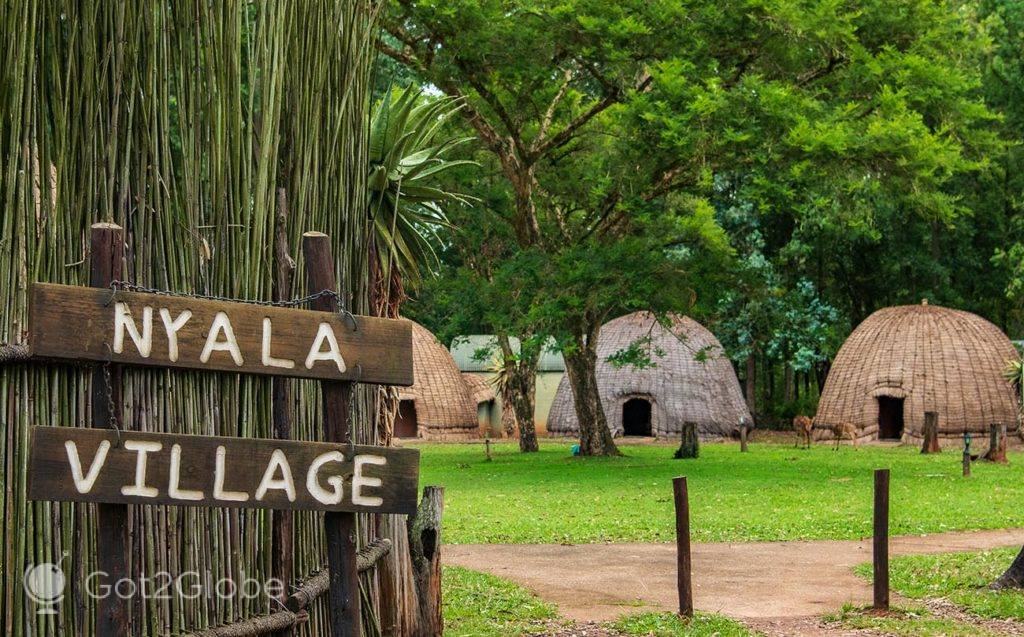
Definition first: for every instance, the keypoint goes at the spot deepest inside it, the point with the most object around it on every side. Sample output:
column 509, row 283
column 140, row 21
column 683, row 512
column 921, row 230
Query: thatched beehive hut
column 906, row 360
column 439, row 405
column 691, row 381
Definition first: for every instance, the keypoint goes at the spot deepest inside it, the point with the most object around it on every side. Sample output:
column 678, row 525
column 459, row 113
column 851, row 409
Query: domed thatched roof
column 692, row 380
column 444, row 406
column 932, row 359
column 479, row 389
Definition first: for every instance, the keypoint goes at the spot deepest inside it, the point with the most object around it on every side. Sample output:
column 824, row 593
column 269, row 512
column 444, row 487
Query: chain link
column 111, row 408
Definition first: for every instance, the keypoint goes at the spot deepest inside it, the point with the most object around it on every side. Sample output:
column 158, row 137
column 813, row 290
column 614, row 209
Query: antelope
column 845, row 430
column 802, row 425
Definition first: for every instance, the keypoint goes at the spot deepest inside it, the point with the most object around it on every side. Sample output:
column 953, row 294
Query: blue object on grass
column 575, row 450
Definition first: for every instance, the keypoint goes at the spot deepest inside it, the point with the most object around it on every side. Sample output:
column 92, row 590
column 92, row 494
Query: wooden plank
column 113, row 542
column 152, row 468
column 78, row 323
column 340, row 532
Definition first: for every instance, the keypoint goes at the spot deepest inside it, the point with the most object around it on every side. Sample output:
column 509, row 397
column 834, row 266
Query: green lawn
column 671, row 625
column 774, row 492
column 961, row 578
column 906, row 622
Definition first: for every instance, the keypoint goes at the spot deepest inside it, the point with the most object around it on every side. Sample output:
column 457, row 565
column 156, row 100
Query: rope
column 13, row 354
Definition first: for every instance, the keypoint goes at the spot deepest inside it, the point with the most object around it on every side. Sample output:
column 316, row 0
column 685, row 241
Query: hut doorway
column 890, row 418
column 405, row 422
column 636, row 417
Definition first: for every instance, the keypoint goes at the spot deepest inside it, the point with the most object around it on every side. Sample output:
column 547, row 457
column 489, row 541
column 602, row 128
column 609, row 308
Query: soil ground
column 775, row 587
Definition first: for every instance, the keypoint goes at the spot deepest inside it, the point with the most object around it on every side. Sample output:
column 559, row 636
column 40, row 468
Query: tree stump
column 931, row 433
column 996, row 444
column 690, row 446
column 425, row 546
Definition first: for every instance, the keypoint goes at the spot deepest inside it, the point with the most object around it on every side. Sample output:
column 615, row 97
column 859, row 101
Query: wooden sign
column 91, row 465
column 79, row 323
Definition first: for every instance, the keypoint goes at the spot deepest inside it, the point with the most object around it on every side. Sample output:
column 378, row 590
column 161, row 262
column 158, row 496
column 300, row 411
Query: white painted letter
column 359, row 481
column 84, row 483
column 123, row 321
column 221, row 323
column 172, row 327
column 313, row 485
column 325, row 333
column 269, row 360
column 172, row 486
column 139, row 488
column 285, row 483
column 218, row 481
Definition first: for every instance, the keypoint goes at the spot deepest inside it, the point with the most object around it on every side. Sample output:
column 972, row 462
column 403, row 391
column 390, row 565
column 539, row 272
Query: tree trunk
column 996, row 444
column 930, row 444
column 520, row 387
column 1014, row 576
column 751, row 383
column 425, row 545
column 581, row 369
column 689, row 447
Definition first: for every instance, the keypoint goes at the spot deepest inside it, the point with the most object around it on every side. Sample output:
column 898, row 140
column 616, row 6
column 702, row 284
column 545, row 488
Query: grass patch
column 774, row 492
column 911, row 622
column 961, row 578
column 481, row 605
column 671, row 625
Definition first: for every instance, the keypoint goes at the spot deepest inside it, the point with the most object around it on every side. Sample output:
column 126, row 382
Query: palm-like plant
column 407, row 163
column 1014, row 373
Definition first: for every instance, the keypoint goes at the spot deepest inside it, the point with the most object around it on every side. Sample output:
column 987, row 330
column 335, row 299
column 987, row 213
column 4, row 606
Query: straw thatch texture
column 480, row 391
column 444, row 408
column 935, row 359
column 691, row 381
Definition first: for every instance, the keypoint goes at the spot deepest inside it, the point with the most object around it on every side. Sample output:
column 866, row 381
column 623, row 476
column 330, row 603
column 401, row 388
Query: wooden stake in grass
column 967, row 454
column 683, row 577
column 881, row 540
column 930, row 443
column 743, row 437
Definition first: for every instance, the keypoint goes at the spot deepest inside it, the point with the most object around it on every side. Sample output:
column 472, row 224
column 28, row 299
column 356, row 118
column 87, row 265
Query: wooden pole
column 282, row 555
column 930, row 444
column 339, row 528
column 112, row 542
column 684, row 580
column 881, row 540
column 743, row 438
column 967, row 454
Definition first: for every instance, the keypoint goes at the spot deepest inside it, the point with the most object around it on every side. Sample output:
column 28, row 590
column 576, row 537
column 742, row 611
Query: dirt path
column 759, row 581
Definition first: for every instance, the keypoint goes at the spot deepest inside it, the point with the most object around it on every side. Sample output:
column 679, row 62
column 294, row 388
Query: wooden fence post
column 743, row 437
column 339, row 528
column 930, row 444
column 881, row 540
column 967, row 454
column 683, row 577
column 113, row 544
column 282, row 556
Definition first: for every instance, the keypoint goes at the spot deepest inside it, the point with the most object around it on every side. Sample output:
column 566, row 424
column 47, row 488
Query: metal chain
column 349, row 317
column 111, row 408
